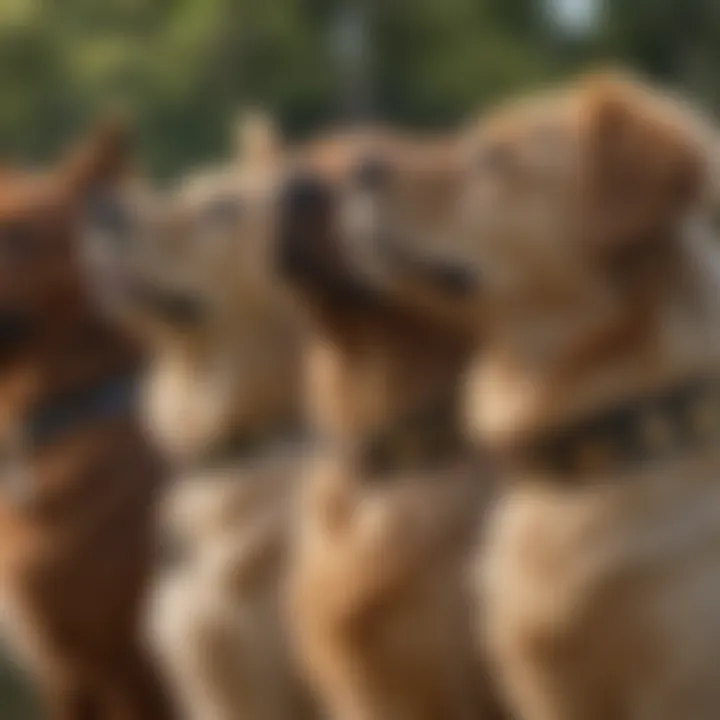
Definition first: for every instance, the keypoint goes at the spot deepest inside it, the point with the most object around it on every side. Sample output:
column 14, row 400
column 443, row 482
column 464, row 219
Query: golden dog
column 585, row 223
column 223, row 398
column 378, row 602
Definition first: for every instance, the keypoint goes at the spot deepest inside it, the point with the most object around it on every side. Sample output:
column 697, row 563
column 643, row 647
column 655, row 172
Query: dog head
column 575, row 217
column 192, row 272
column 179, row 263
column 41, row 282
column 353, row 205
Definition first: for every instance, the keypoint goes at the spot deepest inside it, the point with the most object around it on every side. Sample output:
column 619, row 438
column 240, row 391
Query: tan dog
column 598, row 385
column 80, row 481
column 223, row 398
column 378, row 606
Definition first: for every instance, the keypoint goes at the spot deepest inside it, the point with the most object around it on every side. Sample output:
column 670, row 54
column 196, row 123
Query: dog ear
column 642, row 164
column 258, row 140
column 100, row 159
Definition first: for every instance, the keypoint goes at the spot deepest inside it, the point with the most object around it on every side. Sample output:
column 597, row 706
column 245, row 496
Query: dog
column 585, row 217
column 197, row 283
column 80, row 481
column 377, row 602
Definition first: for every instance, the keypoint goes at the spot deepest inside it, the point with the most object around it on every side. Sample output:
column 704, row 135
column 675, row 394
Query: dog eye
column 372, row 174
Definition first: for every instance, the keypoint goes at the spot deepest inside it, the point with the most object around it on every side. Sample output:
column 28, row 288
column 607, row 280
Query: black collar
column 242, row 446
column 646, row 429
column 50, row 421
column 422, row 439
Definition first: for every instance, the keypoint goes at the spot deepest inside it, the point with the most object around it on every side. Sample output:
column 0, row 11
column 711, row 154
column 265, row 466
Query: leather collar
column 646, row 429
column 423, row 439
column 51, row 420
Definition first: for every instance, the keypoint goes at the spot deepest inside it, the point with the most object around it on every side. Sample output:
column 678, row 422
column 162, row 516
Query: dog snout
column 447, row 277
column 305, row 195
column 304, row 227
column 310, row 255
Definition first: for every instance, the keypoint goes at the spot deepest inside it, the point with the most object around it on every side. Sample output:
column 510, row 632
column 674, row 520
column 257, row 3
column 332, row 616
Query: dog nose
column 305, row 212
column 305, row 195
column 310, row 255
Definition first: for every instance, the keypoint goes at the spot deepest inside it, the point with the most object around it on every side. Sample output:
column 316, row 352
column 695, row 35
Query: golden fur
column 584, row 212
column 222, row 397
column 378, row 607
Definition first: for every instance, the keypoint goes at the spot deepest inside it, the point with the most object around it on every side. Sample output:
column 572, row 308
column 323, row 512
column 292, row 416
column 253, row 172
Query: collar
column 419, row 440
column 243, row 446
column 643, row 430
column 51, row 420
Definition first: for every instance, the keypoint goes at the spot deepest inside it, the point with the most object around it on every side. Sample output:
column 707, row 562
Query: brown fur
column 76, row 525
column 232, row 374
column 377, row 596
column 599, row 594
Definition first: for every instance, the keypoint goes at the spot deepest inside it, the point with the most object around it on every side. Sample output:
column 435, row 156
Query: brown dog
column 80, row 482
column 222, row 396
column 598, row 387
column 378, row 602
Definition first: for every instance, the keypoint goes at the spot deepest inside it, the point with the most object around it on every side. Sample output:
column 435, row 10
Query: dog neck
column 388, row 406
column 422, row 439
column 642, row 430
column 648, row 350
column 228, row 389
column 67, row 359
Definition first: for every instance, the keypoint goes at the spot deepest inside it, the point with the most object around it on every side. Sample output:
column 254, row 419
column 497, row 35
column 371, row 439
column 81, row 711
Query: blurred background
column 185, row 68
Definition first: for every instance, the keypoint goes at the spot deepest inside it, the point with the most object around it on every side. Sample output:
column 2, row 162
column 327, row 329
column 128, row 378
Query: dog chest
column 604, row 600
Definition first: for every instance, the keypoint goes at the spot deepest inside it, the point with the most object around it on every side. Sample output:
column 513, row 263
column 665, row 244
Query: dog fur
column 76, row 514
column 585, row 212
column 231, row 371
column 377, row 601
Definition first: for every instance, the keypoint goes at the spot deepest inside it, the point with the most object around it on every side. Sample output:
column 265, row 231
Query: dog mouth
column 122, row 289
column 312, row 255
column 450, row 278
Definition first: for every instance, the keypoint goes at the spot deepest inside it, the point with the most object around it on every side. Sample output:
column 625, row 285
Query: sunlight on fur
column 376, row 424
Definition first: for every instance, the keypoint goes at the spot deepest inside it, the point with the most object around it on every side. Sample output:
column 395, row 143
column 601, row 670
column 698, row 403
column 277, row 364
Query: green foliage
column 675, row 41
column 186, row 67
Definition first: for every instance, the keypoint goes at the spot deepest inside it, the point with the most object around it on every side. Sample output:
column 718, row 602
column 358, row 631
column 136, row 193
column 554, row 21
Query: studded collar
column 646, row 429
column 246, row 445
column 419, row 440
